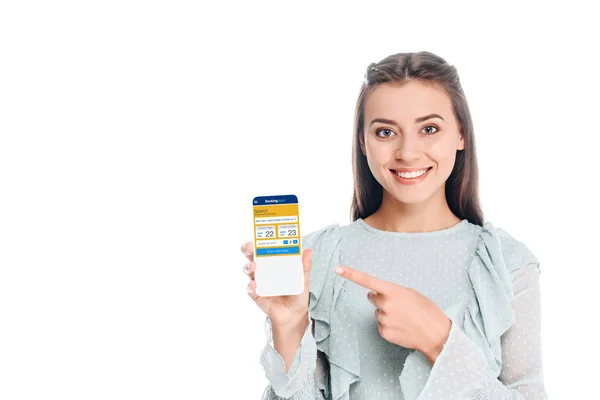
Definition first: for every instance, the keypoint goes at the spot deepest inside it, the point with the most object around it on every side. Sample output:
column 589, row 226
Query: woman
column 418, row 297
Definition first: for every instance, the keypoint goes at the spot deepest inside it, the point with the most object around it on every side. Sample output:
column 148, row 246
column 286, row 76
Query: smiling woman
column 418, row 297
column 421, row 150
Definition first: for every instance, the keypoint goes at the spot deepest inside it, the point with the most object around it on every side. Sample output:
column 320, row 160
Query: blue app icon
column 295, row 241
column 285, row 242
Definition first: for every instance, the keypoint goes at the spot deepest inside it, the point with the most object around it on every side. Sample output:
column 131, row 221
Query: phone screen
column 276, row 226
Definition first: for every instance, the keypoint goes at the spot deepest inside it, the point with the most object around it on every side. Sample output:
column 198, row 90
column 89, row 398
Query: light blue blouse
column 484, row 280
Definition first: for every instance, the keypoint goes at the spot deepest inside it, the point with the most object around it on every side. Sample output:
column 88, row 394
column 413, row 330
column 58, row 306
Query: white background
column 134, row 136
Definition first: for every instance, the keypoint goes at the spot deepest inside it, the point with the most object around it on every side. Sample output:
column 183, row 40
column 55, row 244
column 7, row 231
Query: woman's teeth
column 412, row 174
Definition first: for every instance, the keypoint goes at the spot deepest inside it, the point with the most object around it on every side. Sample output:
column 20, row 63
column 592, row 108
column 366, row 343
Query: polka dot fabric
column 485, row 281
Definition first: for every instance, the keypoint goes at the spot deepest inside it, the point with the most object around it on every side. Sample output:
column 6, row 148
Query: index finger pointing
column 362, row 278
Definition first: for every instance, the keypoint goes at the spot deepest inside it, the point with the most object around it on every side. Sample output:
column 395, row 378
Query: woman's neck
column 432, row 215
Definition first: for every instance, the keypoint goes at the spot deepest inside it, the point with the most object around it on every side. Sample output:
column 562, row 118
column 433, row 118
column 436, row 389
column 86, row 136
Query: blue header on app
column 274, row 200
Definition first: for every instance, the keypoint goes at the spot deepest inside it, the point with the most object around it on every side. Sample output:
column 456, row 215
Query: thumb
column 307, row 263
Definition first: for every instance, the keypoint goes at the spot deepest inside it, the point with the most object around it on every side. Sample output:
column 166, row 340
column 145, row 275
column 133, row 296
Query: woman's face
column 395, row 139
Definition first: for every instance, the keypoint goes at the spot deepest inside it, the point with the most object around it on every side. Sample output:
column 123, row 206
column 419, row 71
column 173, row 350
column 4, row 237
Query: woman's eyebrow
column 419, row 119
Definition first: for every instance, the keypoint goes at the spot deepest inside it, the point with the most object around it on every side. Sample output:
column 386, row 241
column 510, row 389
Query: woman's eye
column 430, row 126
column 384, row 130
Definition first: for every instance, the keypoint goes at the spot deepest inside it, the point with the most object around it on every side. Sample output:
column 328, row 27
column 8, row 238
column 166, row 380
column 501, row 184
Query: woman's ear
column 361, row 140
column 461, row 142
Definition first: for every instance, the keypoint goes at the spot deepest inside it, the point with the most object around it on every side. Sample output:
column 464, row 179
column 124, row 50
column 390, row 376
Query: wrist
column 437, row 339
column 291, row 324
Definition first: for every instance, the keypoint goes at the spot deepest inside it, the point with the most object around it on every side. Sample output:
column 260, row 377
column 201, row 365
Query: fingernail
column 245, row 250
column 339, row 270
column 249, row 289
column 247, row 268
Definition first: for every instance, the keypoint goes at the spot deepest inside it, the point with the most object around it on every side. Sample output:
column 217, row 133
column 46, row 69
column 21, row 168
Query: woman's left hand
column 406, row 317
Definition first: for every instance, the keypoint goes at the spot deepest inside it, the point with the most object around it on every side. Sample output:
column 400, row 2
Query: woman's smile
column 411, row 177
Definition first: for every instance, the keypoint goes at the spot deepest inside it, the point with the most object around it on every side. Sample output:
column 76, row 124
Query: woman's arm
column 521, row 344
column 305, row 378
column 287, row 339
column 461, row 370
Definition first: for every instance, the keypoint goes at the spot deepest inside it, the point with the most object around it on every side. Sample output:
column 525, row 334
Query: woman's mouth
column 411, row 177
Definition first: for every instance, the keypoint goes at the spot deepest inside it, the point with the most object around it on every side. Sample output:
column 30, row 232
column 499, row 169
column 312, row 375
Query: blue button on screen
column 277, row 250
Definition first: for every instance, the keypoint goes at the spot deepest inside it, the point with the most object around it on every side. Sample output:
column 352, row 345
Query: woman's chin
column 414, row 197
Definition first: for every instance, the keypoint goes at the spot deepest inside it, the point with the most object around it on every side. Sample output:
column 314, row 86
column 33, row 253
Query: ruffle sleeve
column 328, row 319
column 331, row 319
column 484, row 317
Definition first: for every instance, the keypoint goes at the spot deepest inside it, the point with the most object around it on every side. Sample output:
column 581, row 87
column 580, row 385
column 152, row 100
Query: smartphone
column 277, row 246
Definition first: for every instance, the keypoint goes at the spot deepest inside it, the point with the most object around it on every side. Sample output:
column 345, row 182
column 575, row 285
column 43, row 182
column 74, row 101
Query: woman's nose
column 409, row 148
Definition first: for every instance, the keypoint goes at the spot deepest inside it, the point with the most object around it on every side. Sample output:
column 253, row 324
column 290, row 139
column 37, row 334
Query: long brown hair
column 462, row 186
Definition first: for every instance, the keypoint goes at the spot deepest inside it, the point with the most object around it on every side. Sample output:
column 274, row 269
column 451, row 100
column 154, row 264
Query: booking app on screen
column 276, row 226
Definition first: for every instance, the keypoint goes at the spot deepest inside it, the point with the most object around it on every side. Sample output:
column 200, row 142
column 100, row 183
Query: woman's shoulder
column 328, row 235
column 516, row 253
column 315, row 239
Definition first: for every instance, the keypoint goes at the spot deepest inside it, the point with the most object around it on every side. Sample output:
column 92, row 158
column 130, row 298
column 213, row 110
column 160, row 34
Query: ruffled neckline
column 458, row 227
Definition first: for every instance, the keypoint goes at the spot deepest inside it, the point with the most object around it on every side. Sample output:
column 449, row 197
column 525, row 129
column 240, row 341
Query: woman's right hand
column 282, row 310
